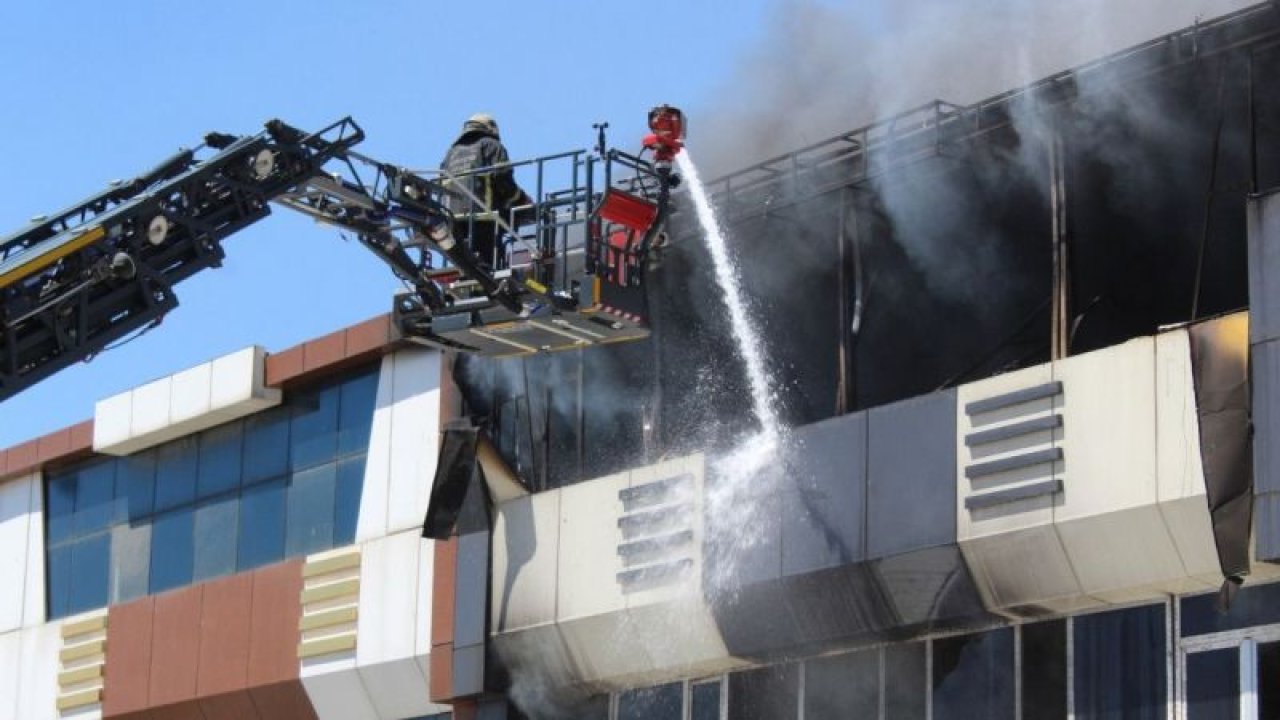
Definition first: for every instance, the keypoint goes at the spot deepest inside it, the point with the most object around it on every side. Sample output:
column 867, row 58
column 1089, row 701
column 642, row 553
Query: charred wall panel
column 1264, row 335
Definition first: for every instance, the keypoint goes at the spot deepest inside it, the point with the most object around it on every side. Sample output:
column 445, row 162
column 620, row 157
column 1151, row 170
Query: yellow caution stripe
column 40, row 262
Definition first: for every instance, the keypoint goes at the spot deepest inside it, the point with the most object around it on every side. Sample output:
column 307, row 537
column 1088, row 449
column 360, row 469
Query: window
column 842, row 686
column 1119, row 664
column 244, row 494
column 656, row 703
column 973, row 676
column 765, row 694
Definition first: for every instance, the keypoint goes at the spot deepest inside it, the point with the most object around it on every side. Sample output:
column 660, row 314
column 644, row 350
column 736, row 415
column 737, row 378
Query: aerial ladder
column 570, row 272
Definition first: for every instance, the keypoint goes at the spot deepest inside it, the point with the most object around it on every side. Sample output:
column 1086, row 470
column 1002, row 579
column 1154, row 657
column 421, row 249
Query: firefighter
column 479, row 147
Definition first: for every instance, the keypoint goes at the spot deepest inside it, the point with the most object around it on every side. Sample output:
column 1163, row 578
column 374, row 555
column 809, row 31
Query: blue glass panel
column 359, row 395
column 219, row 469
column 130, row 561
column 347, row 500
column 704, row 701
column 313, row 434
column 216, row 529
column 1213, row 685
column 171, row 550
column 58, row 584
column 60, row 505
column 656, row 703
column 266, row 445
column 1252, row 605
column 95, row 496
column 261, row 537
column 90, row 570
column 310, row 515
column 176, row 473
column 136, row 484
column 973, row 676
column 1120, row 664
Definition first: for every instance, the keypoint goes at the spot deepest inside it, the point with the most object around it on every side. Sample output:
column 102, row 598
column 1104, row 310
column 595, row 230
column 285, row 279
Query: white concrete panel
column 387, row 623
column 372, row 520
column 113, row 420
column 189, row 393
column 1024, row 568
column 10, row 669
column 15, row 522
column 605, row 647
column 38, row 678
column 239, row 380
column 150, row 413
column 691, row 585
column 415, row 437
column 1120, row 551
column 33, row 612
column 1109, row 434
column 398, row 689
column 422, row 612
column 526, row 540
column 1010, row 517
column 1191, row 527
column 588, row 554
column 681, row 636
column 336, row 690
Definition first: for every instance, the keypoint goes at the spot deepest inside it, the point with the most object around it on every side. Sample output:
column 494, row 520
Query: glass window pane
column 176, row 473
column 904, row 690
column 261, row 537
column 309, row 527
column 136, row 484
column 313, row 433
column 266, row 445
column 219, row 469
column 704, row 700
column 1213, row 685
column 655, row 703
column 1269, row 681
column 765, row 694
column 1044, row 670
column 973, row 676
column 171, row 550
column 90, row 571
column 842, row 686
column 130, row 561
column 58, row 583
column 216, row 528
column 347, row 500
column 359, row 396
column 1252, row 605
column 60, row 505
column 1120, row 664
column 95, row 495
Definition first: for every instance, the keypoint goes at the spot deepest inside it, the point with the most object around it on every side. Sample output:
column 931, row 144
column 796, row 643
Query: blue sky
column 95, row 91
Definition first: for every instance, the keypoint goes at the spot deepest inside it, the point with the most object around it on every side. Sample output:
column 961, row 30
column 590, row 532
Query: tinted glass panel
column 1120, row 664
column 261, row 539
column 1044, row 671
column 90, row 559
column 95, row 493
column 842, row 686
column 266, row 445
column 1213, row 685
column 973, row 676
column 359, row 395
column 1253, row 605
column 904, row 694
column 657, row 703
column 176, row 473
column 219, row 460
column 310, row 515
column 347, row 500
column 130, row 561
column 58, row 583
column 60, row 505
column 704, row 701
column 171, row 550
column 314, row 431
column 136, row 484
column 764, row 694
column 1269, row 681
column 216, row 530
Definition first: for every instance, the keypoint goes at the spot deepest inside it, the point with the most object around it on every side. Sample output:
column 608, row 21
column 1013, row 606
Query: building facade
column 965, row 518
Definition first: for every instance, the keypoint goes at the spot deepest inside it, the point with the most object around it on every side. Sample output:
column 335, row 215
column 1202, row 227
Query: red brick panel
column 82, row 437
column 55, row 445
column 284, row 366
column 369, row 337
column 224, row 635
column 440, row 665
column 283, row 701
column 231, row 706
column 466, row 710
column 175, row 646
column 277, row 608
column 128, row 669
column 442, row 590
column 22, row 459
column 324, row 352
column 189, row 710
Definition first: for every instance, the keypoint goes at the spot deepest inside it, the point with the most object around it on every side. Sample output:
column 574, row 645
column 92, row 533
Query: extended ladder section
column 568, row 272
